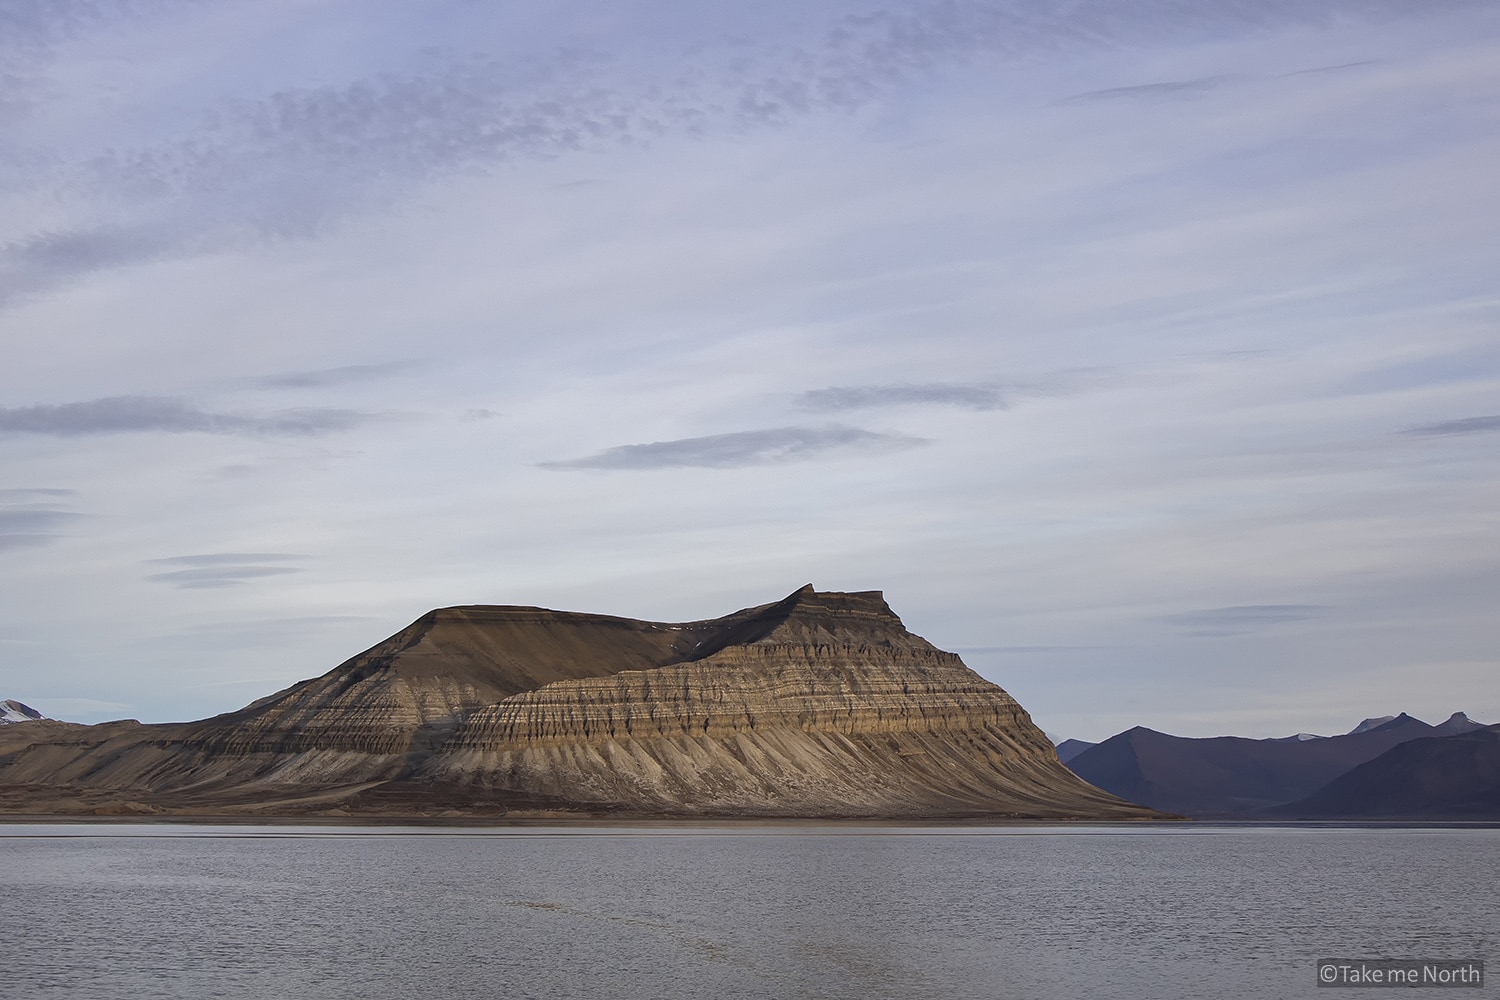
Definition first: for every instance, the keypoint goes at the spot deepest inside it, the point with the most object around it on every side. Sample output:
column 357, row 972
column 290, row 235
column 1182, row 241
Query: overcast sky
column 1146, row 354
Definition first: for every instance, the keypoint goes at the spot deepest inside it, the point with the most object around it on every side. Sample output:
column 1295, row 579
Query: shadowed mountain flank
column 818, row 705
column 1068, row 749
column 1441, row 776
column 1230, row 776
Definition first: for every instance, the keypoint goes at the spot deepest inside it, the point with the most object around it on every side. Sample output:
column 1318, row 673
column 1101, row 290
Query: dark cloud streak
column 218, row 576
column 743, row 448
column 1152, row 91
column 320, row 378
column 222, row 569
column 970, row 396
column 46, row 260
column 11, row 542
column 83, row 249
column 13, row 495
column 166, row 414
column 31, row 520
column 1240, row 619
column 26, row 525
column 226, row 558
column 1453, row 428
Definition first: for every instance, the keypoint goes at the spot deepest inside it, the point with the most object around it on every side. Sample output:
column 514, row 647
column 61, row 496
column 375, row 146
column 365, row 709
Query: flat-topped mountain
column 821, row 704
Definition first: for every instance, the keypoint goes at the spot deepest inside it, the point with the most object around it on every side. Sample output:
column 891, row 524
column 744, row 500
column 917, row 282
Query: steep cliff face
column 817, row 705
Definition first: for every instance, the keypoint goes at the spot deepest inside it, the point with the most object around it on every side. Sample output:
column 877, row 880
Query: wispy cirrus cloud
column 1244, row 618
column 1153, row 91
column 168, row 414
column 38, row 24
column 1192, row 86
column 295, row 160
column 1451, row 428
column 742, row 448
column 222, row 569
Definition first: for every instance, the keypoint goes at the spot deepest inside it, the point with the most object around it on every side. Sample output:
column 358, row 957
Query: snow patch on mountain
column 1370, row 724
column 14, row 711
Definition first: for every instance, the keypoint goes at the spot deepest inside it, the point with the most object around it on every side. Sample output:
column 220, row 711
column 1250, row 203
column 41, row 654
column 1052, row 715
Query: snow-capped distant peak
column 14, row 711
column 1370, row 724
column 1458, row 722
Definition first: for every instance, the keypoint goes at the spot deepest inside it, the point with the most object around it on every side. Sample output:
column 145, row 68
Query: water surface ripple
column 254, row 913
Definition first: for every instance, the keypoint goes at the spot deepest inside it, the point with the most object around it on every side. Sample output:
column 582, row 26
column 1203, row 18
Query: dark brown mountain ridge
column 818, row 705
column 1447, row 776
column 1235, row 777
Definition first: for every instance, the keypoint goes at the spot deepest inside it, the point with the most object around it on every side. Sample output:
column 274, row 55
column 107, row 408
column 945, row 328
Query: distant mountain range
column 1068, row 749
column 14, row 711
column 1458, row 722
column 1389, row 767
column 1455, row 777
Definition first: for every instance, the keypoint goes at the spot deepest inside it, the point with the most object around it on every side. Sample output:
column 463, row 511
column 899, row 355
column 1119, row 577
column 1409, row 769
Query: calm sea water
column 143, row 912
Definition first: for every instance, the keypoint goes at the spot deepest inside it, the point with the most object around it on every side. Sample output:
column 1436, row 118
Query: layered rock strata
column 817, row 705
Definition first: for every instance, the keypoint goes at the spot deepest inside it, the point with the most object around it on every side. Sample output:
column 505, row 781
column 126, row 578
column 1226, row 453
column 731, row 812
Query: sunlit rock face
column 819, row 705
